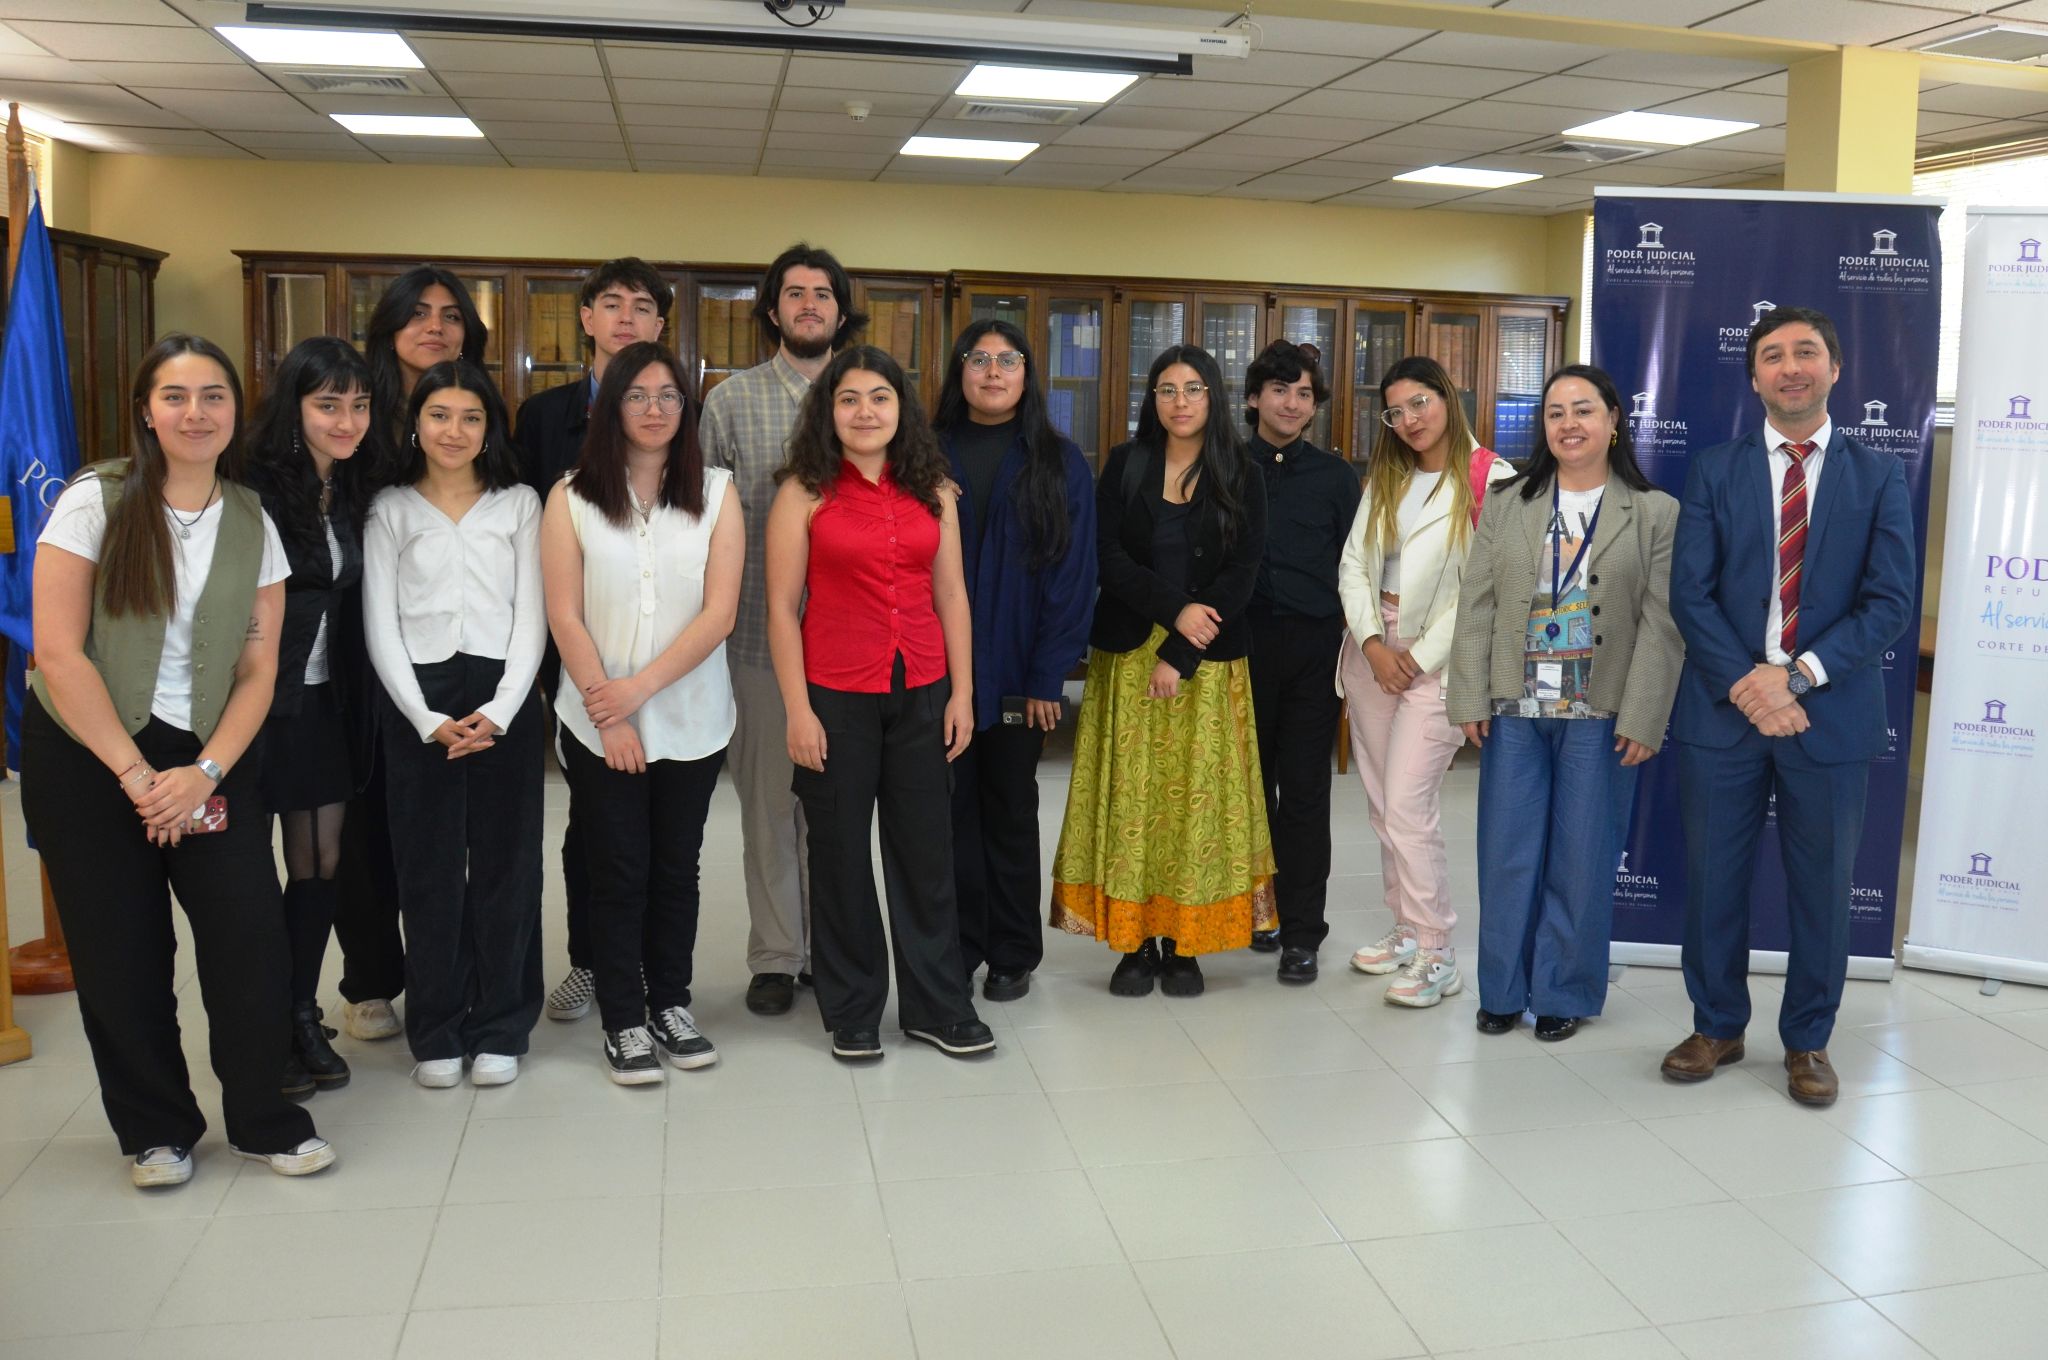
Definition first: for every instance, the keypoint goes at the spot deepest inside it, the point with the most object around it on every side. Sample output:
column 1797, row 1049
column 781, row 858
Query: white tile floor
column 1262, row 1171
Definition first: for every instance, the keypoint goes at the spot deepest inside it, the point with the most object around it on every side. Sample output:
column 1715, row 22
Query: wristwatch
column 212, row 770
column 1795, row 679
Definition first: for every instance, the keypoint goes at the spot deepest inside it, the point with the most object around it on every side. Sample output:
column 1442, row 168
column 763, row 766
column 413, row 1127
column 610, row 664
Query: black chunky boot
column 1135, row 972
column 310, row 1047
column 1179, row 974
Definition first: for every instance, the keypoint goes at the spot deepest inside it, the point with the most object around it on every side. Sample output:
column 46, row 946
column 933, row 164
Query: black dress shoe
column 296, row 1083
column 1297, row 965
column 1179, row 974
column 1006, row 984
column 1551, row 1028
column 1265, row 941
column 803, row 979
column 854, row 1045
column 1498, row 1022
column 315, row 1054
column 960, row 1039
column 771, row 994
column 1136, row 971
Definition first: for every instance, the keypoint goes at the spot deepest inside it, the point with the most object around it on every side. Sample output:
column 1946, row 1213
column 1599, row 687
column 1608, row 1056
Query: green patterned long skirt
column 1165, row 832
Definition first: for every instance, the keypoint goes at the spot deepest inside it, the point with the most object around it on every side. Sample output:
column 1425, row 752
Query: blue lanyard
column 1557, row 532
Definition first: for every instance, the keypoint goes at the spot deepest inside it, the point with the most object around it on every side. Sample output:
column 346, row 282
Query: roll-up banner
column 1980, row 876
column 1679, row 277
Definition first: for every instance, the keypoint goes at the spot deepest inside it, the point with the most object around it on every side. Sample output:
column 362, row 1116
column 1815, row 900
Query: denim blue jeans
column 1554, row 805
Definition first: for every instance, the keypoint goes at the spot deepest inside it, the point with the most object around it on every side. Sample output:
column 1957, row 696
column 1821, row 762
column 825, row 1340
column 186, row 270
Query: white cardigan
column 1431, row 575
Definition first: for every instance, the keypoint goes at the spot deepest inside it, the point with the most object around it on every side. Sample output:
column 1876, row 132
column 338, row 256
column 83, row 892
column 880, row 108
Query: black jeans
column 113, row 894
column 996, row 873
column 366, row 909
column 887, row 750
column 465, row 835
column 641, row 834
column 1294, row 698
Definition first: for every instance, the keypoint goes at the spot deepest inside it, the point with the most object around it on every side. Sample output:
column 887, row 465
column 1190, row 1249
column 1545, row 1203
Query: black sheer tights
column 312, row 853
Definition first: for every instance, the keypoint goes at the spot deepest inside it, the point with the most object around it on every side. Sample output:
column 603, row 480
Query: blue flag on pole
column 38, row 441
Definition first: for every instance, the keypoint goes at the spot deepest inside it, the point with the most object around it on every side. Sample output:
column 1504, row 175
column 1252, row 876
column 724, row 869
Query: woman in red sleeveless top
column 868, row 627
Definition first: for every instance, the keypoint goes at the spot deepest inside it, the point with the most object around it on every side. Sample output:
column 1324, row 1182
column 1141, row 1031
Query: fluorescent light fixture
column 1044, row 83
column 405, row 125
column 1999, row 42
column 1465, row 177
column 321, row 47
column 968, row 148
column 1010, row 39
column 1661, row 129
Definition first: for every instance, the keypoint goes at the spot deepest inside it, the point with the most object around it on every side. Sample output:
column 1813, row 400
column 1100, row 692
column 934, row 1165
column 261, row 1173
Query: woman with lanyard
column 306, row 459
column 1563, row 672
column 1027, row 537
column 159, row 587
column 641, row 552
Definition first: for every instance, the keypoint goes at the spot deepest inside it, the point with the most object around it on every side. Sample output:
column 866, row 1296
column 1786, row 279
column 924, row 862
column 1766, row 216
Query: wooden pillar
column 14, row 1041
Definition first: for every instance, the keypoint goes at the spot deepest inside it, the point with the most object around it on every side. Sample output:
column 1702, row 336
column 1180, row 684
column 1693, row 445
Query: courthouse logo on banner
column 1979, row 885
column 2024, row 272
column 1882, row 269
column 1867, row 903
column 1654, row 434
column 1632, row 889
column 2018, row 429
column 1901, row 439
column 1997, row 733
column 1650, row 262
column 1733, row 346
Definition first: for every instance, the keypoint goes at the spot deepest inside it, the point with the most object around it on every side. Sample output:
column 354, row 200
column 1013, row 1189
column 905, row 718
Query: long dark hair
column 1621, row 454
column 392, row 315
column 1221, row 463
column 914, row 457
column 1040, row 497
column 600, row 473
column 136, row 572
column 281, row 467
column 497, row 464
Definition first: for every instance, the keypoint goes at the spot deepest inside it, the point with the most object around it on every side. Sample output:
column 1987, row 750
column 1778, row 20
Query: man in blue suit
column 1792, row 573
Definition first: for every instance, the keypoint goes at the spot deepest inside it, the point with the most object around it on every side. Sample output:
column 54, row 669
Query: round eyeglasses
column 1193, row 391
column 1415, row 408
column 668, row 401
column 1008, row 360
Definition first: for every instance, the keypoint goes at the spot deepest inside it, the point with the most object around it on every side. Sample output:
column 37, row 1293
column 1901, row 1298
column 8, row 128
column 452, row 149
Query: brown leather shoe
column 1697, row 1058
column 1810, row 1078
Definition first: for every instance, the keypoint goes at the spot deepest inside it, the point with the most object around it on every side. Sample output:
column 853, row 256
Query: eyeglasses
column 668, row 401
column 1194, row 391
column 1415, row 408
column 1008, row 360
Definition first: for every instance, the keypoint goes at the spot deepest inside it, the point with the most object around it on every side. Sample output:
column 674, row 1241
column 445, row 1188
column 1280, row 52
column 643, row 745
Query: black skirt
column 305, row 755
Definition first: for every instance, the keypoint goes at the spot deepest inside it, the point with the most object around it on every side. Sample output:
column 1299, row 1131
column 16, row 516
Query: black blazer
column 549, row 434
column 1134, row 597
column 315, row 592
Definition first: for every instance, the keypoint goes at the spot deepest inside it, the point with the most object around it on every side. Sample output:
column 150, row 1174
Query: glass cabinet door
column 896, row 324
column 1013, row 307
column 726, row 334
column 488, row 293
column 555, row 352
column 1153, row 325
column 1521, row 359
column 1379, row 339
column 1452, row 336
column 1073, row 367
column 295, row 306
column 1230, row 332
column 109, row 434
column 1315, row 324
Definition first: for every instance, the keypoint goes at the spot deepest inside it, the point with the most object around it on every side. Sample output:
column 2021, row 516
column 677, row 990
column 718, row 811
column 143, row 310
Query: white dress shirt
column 1781, row 463
column 433, row 587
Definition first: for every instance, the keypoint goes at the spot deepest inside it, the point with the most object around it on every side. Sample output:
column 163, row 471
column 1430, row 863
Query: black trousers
column 996, row 872
column 887, row 750
column 641, row 834
column 465, row 835
column 113, row 894
column 366, row 909
column 1294, row 699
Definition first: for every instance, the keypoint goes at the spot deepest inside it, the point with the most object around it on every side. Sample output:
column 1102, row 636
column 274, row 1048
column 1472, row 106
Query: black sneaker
column 1498, row 1022
column 1135, row 972
column 315, row 1054
column 629, row 1057
column 959, row 1039
column 1006, row 984
column 1297, row 965
column 1265, row 941
column 296, row 1082
column 771, row 994
column 680, row 1041
column 856, row 1045
column 1179, row 974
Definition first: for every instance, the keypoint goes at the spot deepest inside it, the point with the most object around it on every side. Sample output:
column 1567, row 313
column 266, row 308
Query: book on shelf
column 717, row 332
column 542, row 313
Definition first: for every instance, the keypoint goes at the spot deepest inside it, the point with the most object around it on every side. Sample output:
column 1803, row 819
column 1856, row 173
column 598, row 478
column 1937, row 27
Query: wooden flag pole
column 15, row 1043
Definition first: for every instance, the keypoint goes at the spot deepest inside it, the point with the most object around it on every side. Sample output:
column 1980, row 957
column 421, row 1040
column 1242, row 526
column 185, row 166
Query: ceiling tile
column 1986, row 134
column 417, row 152
column 1095, row 134
column 1768, row 110
column 672, row 63
column 1445, row 139
column 1303, row 188
column 824, row 142
column 1429, row 78
column 704, row 93
column 1675, row 68
column 1337, row 130
column 1276, row 150
column 723, row 155
column 1062, row 176
column 1394, row 108
column 1704, row 158
column 1930, row 124
column 1609, row 96
column 1347, row 159
column 1167, row 120
column 1129, row 157
column 866, row 162
column 517, row 147
column 14, row 45
column 1178, row 92
column 568, row 163
column 1531, row 120
column 1323, row 36
column 1387, row 151
column 503, row 85
column 93, row 104
column 512, row 56
column 595, row 134
column 680, row 116
column 126, row 42
column 1506, row 54
column 104, row 11
column 49, row 68
column 227, row 110
column 833, row 101
column 256, row 139
column 1276, row 68
column 1849, row 22
column 1778, row 84
column 1488, row 205
column 1634, row 172
column 845, row 73
column 986, row 132
column 1987, row 101
column 673, row 140
column 1220, row 160
column 872, row 126
column 818, row 172
column 1670, row 13
column 180, row 76
column 150, row 136
column 1181, row 181
column 1770, row 140
column 418, row 106
column 352, row 153
column 526, row 111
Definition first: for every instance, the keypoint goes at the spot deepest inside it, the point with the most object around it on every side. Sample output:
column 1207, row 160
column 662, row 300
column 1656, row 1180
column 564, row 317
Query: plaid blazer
column 1638, row 653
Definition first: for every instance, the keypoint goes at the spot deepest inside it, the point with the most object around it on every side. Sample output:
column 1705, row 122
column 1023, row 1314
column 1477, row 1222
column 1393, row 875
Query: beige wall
column 202, row 210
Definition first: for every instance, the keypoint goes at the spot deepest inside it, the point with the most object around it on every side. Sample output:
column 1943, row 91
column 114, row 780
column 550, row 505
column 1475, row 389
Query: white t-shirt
column 1408, row 518
column 79, row 521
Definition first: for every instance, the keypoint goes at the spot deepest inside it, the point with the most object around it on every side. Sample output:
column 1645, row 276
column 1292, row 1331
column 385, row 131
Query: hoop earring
column 415, row 438
column 298, row 447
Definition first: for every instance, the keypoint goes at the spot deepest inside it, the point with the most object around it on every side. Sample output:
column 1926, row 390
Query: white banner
column 1980, row 883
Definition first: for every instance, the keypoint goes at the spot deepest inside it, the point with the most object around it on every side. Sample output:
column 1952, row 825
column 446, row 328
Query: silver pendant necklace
column 185, row 526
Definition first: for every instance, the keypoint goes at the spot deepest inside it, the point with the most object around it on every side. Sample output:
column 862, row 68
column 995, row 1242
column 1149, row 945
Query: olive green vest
column 126, row 650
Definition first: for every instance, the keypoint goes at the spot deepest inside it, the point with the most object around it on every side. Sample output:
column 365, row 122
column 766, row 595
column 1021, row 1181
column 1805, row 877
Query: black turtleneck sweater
column 1311, row 499
column 981, row 450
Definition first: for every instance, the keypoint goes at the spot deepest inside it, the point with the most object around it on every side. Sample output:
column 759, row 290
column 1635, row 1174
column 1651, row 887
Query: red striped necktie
column 1792, row 540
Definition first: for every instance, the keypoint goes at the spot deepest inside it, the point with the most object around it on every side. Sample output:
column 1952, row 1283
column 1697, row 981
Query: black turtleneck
column 1311, row 499
column 981, row 450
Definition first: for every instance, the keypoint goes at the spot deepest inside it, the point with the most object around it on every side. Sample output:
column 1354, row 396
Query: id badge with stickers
column 1549, row 681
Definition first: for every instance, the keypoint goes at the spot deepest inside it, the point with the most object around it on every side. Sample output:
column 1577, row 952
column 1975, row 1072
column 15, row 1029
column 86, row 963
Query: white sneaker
column 438, row 1072
column 1387, row 953
column 315, row 1154
column 1425, row 979
column 493, row 1069
column 369, row 1020
column 162, row 1166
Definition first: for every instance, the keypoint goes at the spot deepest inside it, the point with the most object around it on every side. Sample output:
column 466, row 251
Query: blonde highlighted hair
column 1393, row 462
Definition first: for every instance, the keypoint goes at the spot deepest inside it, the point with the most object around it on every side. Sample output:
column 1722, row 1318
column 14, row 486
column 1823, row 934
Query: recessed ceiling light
column 1465, row 177
column 321, row 47
column 968, row 148
column 405, row 125
column 1043, row 83
column 1662, row 129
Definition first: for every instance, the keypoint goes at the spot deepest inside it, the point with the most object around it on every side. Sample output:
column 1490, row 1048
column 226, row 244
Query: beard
column 801, row 348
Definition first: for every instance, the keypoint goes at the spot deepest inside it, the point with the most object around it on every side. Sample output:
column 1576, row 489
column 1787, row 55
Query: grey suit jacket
column 1638, row 654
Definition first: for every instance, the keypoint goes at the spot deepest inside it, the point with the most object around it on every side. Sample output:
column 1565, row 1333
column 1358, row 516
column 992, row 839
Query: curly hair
column 915, row 460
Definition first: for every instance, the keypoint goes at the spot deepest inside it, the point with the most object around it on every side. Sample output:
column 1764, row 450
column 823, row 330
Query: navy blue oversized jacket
column 1030, row 626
